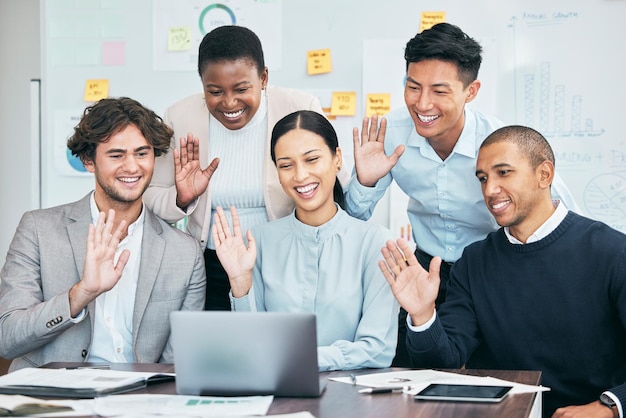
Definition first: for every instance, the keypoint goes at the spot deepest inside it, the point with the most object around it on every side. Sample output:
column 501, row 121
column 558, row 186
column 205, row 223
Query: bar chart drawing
column 552, row 101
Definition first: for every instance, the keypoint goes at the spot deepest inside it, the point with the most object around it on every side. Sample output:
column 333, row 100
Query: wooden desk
column 340, row 400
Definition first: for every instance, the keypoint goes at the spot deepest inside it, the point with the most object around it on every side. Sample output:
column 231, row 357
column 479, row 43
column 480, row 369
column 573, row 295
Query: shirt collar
column 95, row 213
column 546, row 228
column 465, row 145
column 318, row 233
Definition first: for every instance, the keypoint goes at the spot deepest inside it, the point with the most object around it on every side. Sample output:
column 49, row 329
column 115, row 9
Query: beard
column 115, row 195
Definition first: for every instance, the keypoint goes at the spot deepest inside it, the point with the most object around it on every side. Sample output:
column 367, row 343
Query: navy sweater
column 557, row 305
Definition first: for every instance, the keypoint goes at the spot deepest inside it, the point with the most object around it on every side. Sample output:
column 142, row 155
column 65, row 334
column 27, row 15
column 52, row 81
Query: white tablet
column 464, row 393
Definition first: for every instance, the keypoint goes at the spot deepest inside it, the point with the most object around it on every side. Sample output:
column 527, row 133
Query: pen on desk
column 98, row 367
column 373, row 391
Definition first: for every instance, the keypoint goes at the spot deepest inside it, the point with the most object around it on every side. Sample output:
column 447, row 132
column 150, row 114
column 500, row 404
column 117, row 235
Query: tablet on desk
column 464, row 393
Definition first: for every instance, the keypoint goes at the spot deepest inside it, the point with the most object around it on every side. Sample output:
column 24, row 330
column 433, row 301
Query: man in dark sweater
column 547, row 291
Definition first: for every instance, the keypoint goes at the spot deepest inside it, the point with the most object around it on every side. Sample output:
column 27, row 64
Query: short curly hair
column 230, row 43
column 109, row 116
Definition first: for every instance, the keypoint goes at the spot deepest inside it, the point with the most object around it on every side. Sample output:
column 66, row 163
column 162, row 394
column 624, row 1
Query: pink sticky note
column 113, row 53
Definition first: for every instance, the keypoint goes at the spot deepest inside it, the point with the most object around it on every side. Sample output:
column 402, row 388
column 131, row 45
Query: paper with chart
column 179, row 405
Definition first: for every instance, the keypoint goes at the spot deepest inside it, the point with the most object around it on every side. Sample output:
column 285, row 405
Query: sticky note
column 96, row 90
column 319, row 61
column 429, row 19
column 326, row 111
column 343, row 103
column 377, row 104
column 179, row 38
column 113, row 53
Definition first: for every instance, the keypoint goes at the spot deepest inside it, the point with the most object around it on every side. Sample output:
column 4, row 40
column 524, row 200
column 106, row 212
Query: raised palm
column 415, row 288
column 100, row 272
column 236, row 258
column 191, row 180
column 370, row 160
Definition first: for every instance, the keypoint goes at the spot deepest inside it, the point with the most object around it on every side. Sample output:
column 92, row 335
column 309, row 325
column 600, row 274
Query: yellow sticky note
column 318, row 61
column 377, row 104
column 96, row 90
column 429, row 19
column 343, row 103
column 179, row 38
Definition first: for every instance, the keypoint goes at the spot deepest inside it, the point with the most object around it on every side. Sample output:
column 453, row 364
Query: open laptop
column 223, row 353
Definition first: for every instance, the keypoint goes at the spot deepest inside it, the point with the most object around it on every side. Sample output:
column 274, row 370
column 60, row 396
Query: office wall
column 19, row 46
column 555, row 66
column 20, row 49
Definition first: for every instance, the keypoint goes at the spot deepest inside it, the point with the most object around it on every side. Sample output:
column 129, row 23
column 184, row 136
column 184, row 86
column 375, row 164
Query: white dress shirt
column 112, row 340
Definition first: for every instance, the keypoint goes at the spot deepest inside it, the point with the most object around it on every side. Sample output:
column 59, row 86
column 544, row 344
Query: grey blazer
column 46, row 258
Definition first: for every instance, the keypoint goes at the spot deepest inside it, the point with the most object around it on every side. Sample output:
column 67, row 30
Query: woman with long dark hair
column 318, row 259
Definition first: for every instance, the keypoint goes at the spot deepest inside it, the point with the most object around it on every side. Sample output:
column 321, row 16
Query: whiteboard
column 555, row 66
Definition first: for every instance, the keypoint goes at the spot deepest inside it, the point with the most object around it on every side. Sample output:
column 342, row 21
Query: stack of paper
column 81, row 383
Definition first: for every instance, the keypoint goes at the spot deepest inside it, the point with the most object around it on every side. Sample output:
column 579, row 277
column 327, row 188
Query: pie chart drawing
column 215, row 15
column 605, row 199
column 75, row 162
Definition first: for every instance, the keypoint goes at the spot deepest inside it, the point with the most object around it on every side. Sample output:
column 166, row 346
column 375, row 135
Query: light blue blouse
column 332, row 271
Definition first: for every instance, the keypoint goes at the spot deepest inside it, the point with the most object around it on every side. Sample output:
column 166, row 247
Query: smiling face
column 123, row 168
column 435, row 98
column 517, row 195
column 307, row 170
column 232, row 91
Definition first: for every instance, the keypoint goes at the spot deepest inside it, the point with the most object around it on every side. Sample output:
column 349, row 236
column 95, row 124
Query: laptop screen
column 224, row 353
